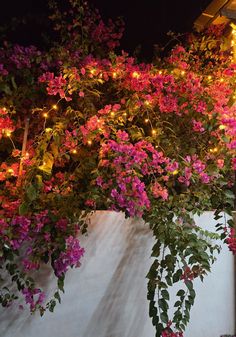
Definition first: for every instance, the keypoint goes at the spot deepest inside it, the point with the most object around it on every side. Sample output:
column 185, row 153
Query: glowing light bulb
column 135, row 74
column 114, row 74
column 146, row 120
column 45, row 115
column 222, row 127
column 175, row 172
column 221, row 80
column 74, row 151
column 27, row 155
column 160, row 72
column 55, row 107
column 89, row 142
column 8, row 133
column 209, row 77
column 124, row 114
column 92, row 71
column 214, row 150
column 154, row 132
column 147, row 103
column 112, row 114
column 182, row 73
column 10, row 171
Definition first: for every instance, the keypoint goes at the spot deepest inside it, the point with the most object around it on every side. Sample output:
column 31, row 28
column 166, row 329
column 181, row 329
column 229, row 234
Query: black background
column 146, row 22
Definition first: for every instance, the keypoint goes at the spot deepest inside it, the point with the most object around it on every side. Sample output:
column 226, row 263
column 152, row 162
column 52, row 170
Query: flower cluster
column 82, row 129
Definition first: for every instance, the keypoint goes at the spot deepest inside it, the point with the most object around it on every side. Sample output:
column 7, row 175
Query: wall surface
column 106, row 296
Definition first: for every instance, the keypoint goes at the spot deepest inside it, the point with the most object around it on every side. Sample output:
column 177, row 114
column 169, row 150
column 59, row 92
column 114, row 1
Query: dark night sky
column 146, row 21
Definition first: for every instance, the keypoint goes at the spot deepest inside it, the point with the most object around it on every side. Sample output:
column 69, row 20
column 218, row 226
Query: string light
column 92, row 71
column 55, row 107
column 27, row 155
column 154, row 132
column 124, row 114
column 114, row 74
column 175, row 172
column 135, row 74
column 209, row 77
column 182, row 73
column 146, row 120
column 160, row 72
column 89, row 142
column 221, row 80
column 147, row 103
column 45, row 115
column 214, row 150
column 74, row 151
column 8, row 133
column 10, row 171
column 112, row 114
column 222, row 127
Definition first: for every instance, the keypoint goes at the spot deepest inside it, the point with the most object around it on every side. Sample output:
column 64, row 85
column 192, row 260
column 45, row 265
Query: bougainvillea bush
column 83, row 128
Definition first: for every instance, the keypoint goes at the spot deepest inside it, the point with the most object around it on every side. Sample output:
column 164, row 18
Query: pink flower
column 122, row 135
column 197, row 126
column 159, row 191
column 70, row 257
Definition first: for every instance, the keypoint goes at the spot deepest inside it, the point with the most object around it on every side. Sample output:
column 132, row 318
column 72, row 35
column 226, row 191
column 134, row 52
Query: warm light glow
column 10, row 171
column 146, row 120
column 8, row 133
column 135, row 74
column 89, row 142
column 209, row 77
column 221, row 80
column 92, row 71
column 55, row 107
column 175, row 172
column 112, row 114
column 160, row 72
column 214, row 150
column 182, row 72
column 222, row 127
column 154, row 132
column 45, row 115
column 27, row 155
column 114, row 74
column 125, row 114
column 147, row 103
column 74, row 151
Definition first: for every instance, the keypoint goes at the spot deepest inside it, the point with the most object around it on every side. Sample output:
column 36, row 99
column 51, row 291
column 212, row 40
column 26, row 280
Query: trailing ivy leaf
column 164, row 317
column 165, row 295
column 180, row 293
column 57, row 296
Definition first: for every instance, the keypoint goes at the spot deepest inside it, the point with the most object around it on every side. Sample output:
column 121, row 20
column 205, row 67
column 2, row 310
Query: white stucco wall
column 106, row 297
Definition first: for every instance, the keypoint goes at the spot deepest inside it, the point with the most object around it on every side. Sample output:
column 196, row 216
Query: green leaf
column 52, row 305
column 60, row 283
column 31, row 192
column 165, row 295
column 164, row 317
column 229, row 194
column 180, row 293
column 57, row 296
column 23, row 208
